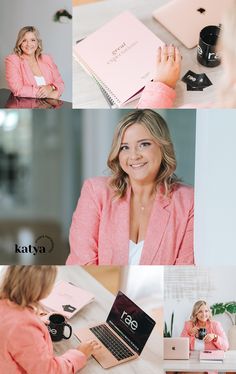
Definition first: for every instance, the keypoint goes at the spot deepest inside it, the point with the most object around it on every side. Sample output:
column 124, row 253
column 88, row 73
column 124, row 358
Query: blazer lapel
column 156, row 228
column 28, row 72
column 120, row 231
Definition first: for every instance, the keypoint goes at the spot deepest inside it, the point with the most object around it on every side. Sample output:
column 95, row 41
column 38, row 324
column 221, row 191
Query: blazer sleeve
column 222, row 340
column 157, row 95
column 85, row 228
column 29, row 349
column 57, row 79
column 186, row 334
column 15, row 80
column 186, row 252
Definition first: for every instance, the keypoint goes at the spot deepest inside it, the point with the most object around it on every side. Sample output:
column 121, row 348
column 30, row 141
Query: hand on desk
column 89, row 347
column 168, row 65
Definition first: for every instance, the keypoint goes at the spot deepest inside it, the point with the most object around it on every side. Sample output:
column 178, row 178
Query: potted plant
column 229, row 309
column 168, row 333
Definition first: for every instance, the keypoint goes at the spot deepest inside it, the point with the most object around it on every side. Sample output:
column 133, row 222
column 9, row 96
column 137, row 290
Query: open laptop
column 123, row 335
column 186, row 18
column 176, row 348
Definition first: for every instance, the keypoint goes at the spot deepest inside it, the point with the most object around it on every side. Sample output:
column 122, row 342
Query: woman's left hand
column 209, row 337
column 168, row 65
column 44, row 91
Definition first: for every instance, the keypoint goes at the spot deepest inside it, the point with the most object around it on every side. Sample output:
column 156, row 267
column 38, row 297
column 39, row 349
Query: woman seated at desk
column 202, row 331
column 29, row 73
column 142, row 214
column 26, row 346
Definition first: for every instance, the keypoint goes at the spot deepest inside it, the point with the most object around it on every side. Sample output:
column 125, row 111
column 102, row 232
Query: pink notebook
column 212, row 356
column 67, row 299
column 120, row 56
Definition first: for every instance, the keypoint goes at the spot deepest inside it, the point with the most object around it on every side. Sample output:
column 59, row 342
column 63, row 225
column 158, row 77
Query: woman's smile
column 140, row 156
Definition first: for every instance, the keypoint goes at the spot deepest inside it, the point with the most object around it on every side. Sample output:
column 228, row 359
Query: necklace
column 143, row 207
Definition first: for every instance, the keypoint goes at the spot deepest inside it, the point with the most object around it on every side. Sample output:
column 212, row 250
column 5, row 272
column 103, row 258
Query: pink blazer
column 159, row 95
column 212, row 327
column 21, row 80
column 99, row 232
column 26, row 346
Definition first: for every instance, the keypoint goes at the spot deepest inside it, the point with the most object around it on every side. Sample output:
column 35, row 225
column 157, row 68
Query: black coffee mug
column 56, row 327
column 201, row 333
column 206, row 50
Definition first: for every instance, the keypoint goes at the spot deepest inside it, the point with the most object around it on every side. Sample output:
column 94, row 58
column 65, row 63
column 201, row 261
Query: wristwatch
column 215, row 338
column 53, row 87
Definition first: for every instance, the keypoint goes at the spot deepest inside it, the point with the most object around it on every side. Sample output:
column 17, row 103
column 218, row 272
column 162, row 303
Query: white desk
column 194, row 365
column 150, row 360
column 88, row 18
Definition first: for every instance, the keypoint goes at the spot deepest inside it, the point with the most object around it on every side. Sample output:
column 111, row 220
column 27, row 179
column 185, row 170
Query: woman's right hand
column 168, row 65
column 193, row 331
column 89, row 347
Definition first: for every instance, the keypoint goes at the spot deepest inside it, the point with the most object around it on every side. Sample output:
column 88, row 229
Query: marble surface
column 88, row 18
column 194, row 365
column 150, row 360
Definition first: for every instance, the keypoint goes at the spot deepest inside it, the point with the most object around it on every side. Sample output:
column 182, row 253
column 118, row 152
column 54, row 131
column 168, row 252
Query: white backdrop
column 215, row 181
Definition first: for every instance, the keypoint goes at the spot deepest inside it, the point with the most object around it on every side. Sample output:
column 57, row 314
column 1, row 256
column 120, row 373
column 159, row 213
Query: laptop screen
column 130, row 322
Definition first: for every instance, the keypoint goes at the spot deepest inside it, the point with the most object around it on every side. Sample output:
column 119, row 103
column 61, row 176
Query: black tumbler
column 201, row 333
column 206, row 50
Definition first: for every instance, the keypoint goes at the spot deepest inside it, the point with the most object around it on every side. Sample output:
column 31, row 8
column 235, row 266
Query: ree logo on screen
column 127, row 319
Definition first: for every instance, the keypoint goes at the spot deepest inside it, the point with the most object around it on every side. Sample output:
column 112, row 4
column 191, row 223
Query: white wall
column 215, row 180
column 56, row 37
column 215, row 284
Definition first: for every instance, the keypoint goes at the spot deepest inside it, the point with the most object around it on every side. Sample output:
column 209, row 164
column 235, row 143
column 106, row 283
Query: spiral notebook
column 67, row 299
column 120, row 56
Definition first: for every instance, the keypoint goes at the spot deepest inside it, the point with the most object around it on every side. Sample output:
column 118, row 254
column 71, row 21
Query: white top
column 199, row 345
column 40, row 80
column 135, row 251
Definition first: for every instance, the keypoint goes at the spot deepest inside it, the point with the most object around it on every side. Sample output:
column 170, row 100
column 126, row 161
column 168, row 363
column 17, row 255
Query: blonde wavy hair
column 18, row 51
column 227, row 93
column 27, row 285
column 158, row 129
column 196, row 308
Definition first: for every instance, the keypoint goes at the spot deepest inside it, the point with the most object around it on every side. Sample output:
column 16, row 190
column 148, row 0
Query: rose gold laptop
column 186, row 18
column 176, row 348
column 124, row 334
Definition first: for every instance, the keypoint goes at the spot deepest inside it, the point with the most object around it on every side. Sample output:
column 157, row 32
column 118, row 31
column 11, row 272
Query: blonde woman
column 161, row 92
column 142, row 214
column 213, row 335
column 29, row 72
column 26, row 346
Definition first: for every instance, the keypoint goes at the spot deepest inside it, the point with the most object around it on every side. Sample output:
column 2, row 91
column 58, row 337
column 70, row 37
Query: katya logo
column 127, row 319
column 43, row 245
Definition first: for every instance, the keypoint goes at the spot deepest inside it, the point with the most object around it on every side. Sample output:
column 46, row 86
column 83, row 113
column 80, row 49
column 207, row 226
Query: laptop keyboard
column 111, row 342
